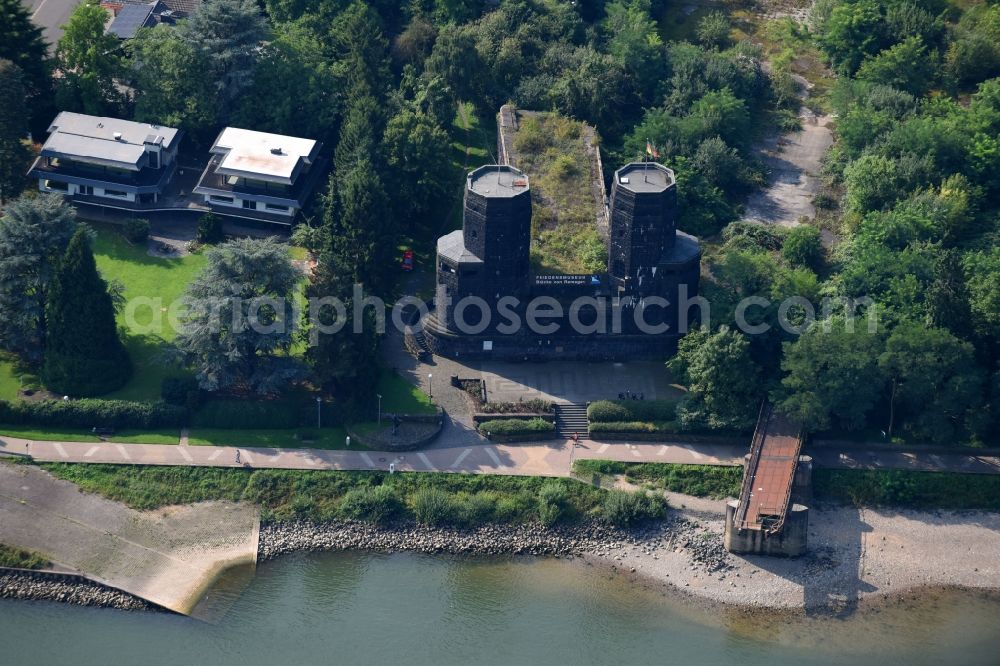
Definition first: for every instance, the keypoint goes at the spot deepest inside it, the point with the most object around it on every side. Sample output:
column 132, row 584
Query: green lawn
column 401, row 397
column 161, row 279
column 9, row 382
column 305, row 438
column 84, row 435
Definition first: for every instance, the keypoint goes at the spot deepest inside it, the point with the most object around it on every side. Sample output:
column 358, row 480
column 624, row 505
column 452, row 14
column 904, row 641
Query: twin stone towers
column 489, row 304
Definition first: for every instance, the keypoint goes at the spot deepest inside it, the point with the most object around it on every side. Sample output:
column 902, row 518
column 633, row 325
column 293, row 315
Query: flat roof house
column 109, row 162
column 260, row 176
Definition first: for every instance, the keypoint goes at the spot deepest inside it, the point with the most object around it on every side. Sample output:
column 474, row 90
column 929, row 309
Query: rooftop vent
column 276, row 151
column 118, row 136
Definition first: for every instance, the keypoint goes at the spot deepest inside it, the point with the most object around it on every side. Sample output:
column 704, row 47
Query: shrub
column 632, row 410
column 623, row 508
column 478, row 508
column 378, row 504
column 607, row 410
column 804, row 247
column 635, row 426
column 179, row 390
column 210, row 229
column 552, row 500
column 564, row 167
column 517, row 426
column 751, row 236
column 533, row 406
column 91, row 413
column 512, row 507
column 228, row 414
column 21, row 559
column 432, row 506
column 136, row 231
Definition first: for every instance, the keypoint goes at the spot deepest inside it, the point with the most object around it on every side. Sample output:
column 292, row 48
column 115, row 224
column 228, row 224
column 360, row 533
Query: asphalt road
column 51, row 15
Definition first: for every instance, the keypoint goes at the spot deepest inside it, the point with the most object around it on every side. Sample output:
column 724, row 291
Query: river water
column 345, row 608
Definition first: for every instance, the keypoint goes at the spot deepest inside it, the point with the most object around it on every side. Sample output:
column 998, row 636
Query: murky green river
column 341, row 608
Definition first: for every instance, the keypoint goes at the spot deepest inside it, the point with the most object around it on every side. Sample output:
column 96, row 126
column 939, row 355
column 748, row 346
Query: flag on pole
column 651, row 150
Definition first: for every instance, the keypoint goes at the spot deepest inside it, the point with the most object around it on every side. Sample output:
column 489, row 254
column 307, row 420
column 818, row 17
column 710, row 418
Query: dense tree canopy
column 14, row 116
column 89, row 61
column 239, row 323
column 34, row 234
column 724, row 383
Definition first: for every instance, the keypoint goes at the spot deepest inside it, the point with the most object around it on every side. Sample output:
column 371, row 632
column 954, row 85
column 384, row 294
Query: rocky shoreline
column 854, row 557
column 64, row 588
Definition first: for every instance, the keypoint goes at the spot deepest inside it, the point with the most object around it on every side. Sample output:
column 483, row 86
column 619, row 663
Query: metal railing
column 756, row 444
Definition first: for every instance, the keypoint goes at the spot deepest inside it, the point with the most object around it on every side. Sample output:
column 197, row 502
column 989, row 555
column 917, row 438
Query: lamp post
column 430, row 385
column 379, row 395
column 319, row 412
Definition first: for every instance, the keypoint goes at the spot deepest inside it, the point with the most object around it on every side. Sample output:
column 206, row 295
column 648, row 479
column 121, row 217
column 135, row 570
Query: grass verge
column 907, row 489
column 886, row 488
column 19, row 558
column 324, row 495
column 401, row 397
column 84, row 435
column 715, row 481
column 296, row 438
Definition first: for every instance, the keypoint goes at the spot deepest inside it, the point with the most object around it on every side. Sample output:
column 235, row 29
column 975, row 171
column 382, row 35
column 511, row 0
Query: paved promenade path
column 553, row 458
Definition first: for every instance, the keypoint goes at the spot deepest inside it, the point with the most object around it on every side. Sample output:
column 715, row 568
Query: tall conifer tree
column 83, row 354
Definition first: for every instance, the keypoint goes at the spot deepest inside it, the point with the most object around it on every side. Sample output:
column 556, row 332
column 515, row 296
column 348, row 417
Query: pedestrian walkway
column 549, row 458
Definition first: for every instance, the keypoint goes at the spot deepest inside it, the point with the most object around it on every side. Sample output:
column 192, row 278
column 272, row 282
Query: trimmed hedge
column 605, row 411
column 90, row 413
column 533, row 406
column 258, row 414
column 635, row 426
column 517, row 426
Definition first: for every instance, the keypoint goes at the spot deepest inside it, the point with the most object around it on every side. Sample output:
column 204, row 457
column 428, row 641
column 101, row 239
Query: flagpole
column 645, row 162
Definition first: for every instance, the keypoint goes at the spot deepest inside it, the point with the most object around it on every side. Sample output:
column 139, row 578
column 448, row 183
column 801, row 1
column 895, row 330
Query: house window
column 218, row 198
column 56, row 185
column 251, row 205
column 276, row 207
column 154, row 159
column 115, row 193
column 85, row 189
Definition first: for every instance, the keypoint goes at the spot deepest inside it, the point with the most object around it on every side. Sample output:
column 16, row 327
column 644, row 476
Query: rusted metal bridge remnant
column 765, row 496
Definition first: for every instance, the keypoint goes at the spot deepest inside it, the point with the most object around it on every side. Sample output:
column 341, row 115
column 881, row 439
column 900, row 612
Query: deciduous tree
column 240, row 325
column 89, row 60
column 724, row 384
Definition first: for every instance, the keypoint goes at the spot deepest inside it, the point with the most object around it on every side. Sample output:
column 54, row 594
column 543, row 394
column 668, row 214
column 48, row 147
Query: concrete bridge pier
column 790, row 541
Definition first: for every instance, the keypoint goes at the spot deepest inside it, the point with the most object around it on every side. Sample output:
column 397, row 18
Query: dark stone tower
column 489, row 257
column 643, row 223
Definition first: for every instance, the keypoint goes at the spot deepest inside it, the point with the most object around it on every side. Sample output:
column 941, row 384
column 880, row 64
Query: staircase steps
column 570, row 419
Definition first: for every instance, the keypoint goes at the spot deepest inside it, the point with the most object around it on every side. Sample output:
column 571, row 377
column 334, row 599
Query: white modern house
column 259, row 176
column 107, row 162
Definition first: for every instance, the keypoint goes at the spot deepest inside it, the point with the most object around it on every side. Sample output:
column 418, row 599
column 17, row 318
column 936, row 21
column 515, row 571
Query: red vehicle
column 407, row 263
